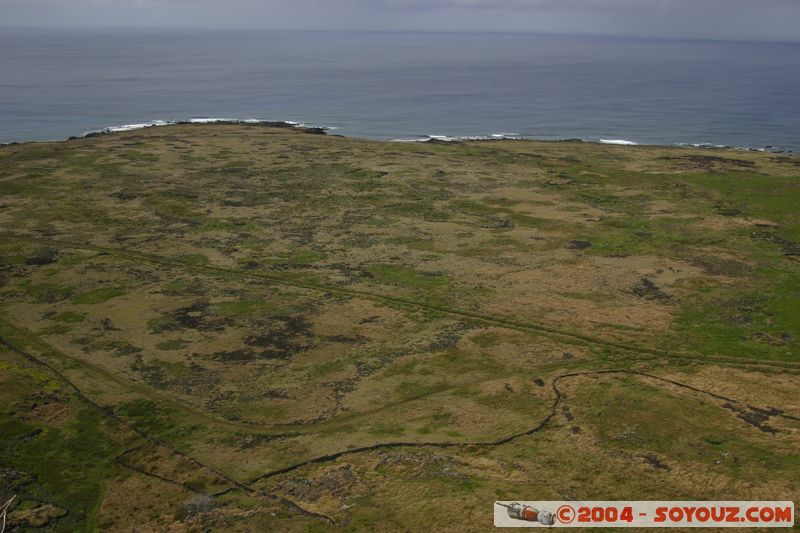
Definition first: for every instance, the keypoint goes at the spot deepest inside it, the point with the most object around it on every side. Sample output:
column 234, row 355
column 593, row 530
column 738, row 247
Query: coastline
column 315, row 129
column 266, row 300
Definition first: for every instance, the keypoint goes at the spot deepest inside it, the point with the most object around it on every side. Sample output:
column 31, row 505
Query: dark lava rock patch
column 650, row 291
column 754, row 416
column 789, row 248
column 578, row 245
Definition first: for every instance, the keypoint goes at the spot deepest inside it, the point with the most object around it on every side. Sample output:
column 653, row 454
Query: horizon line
column 400, row 31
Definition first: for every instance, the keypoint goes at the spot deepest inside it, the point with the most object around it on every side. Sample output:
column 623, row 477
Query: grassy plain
column 248, row 328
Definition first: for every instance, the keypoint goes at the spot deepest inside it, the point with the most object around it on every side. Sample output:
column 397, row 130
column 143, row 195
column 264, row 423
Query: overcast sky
column 704, row 19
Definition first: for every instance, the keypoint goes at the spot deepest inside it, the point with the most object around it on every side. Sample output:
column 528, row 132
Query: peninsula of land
column 247, row 327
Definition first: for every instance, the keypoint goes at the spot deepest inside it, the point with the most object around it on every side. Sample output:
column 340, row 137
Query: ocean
column 59, row 83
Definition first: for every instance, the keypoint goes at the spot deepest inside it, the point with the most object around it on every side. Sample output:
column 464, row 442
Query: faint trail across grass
column 105, row 411
column 497, row 321
column 558, row 398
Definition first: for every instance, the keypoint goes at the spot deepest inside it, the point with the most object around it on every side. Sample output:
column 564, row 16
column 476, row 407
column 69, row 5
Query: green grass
column 161, row 324
column 70, row 317
column 172, row 344
column 758, row 325
column 147, row 416
column 486, row 340
column 386, row 429
column 407, row 277
column 631, row 418
column 195, row 259
column 66, row 466
column 98, row 296
column 46, row 292
column 409, row 390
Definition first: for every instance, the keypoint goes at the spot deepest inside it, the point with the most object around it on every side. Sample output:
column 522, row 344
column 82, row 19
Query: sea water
column 405, row 86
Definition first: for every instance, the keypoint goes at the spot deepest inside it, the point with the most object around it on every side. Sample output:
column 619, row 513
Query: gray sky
column 705, row 19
